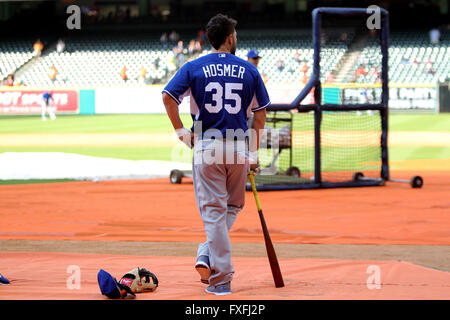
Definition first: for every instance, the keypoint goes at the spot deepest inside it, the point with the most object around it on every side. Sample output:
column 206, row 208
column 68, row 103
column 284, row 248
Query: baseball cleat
column 219, row 290
column 203, row 269
column 3, row 280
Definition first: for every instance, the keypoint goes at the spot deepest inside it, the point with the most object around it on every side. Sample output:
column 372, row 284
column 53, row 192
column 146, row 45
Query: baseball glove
column 140, row 280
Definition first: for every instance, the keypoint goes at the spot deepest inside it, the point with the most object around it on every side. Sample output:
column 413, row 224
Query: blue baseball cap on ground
column 253, row 54
column 3, row 280
column 111, row 288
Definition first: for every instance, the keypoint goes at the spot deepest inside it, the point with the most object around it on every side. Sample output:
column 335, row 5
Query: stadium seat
column 409, row 52
column 96, row 60
column 14, row 53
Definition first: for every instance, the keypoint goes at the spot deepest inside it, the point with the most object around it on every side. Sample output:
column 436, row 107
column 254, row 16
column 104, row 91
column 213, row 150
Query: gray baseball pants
column 220, row 194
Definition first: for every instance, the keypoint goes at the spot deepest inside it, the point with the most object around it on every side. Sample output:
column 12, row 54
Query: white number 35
column 217, row 97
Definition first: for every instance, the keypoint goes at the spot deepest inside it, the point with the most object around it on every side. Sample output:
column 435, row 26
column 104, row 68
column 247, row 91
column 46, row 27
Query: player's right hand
column 185, row 136
column 254, row 162
column 255, row 168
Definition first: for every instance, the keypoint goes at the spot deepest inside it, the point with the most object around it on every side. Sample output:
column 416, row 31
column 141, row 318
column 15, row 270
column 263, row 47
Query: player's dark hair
column 219, row 28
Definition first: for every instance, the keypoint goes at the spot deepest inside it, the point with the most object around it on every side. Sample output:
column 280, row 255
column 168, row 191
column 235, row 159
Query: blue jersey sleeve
column 179, row 84
column 261, row 99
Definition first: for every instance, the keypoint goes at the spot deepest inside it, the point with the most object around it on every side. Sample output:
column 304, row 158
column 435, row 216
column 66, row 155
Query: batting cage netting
column 334, row 133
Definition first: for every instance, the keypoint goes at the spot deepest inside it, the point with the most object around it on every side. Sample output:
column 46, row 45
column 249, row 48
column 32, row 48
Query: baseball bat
column 273, row 261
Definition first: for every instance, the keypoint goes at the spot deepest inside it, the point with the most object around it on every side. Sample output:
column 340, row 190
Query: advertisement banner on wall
column 286, row 93
column 400, row 97
column 29, row 101
column 413, row 98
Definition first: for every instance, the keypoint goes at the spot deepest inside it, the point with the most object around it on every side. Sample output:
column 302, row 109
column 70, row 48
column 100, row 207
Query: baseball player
column 224, row 90
column 253, row 57
column 45, row 105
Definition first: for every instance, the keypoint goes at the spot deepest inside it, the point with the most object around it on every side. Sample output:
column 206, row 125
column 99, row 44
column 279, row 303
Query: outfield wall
column 28, row 101
column 402, row 97
column 147, row 100
column 132, row 100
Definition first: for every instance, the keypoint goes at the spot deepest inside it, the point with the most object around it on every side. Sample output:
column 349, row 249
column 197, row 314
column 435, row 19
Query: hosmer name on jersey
column 224, row 70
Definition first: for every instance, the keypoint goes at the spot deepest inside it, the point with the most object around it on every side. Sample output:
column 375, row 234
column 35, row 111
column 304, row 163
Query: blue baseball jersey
column 223, row 91
column 47, row 96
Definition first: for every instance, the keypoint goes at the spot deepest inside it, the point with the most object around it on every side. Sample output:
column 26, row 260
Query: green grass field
column 89, row 124
column 160, row 123
column 94, row 124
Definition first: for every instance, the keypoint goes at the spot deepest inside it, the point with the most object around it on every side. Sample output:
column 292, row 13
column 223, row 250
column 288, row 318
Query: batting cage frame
column 312, row 169
column 265, row 183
